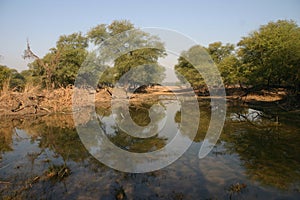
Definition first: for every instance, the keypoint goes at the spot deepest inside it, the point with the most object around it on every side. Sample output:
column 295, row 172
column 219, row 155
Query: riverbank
column 33, row 101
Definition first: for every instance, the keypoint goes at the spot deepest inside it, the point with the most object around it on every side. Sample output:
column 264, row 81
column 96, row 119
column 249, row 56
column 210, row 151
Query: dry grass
column 59, row 100
column 267, row 96
column 35, row 101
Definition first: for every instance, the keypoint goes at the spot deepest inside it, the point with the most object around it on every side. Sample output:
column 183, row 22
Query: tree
column 144, row 75
column 230, row 70
column 5, row 74
column 186, row 73
column 227, row 62
column 60, row 66
column 72, row 52
column 271, row 55
column 218, row 51
column 12, row 78
column 17, row 80
column 103, row 31
column 196, row 67
column 109, row 36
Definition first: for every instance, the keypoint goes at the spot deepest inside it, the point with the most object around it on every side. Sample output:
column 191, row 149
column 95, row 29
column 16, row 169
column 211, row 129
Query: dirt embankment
column 40, row 102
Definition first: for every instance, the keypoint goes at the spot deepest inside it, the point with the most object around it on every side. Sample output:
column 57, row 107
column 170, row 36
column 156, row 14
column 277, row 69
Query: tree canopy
column 267, row 57
column 271, row 55
column 59, row 67
column 129, row 50
column 197, row 65
column 11, row 78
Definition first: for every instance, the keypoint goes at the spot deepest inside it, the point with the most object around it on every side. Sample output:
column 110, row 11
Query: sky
column 42, row 22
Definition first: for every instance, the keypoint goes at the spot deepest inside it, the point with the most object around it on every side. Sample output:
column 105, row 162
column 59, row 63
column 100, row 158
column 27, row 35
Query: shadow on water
column 257, row 157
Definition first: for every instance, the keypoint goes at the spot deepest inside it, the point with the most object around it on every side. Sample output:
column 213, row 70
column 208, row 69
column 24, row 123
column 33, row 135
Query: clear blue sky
column 204, row 21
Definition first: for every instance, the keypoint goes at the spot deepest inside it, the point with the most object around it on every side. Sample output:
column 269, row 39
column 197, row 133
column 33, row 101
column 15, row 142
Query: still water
column 256, row 157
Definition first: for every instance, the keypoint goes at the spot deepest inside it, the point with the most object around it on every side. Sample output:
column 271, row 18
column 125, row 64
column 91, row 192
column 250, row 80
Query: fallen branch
column 22, row 106
column 5, row 182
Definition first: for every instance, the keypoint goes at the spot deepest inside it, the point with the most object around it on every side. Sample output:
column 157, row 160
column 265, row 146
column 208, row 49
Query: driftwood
column 271, row 124
column 33, row 102
column 109, row 92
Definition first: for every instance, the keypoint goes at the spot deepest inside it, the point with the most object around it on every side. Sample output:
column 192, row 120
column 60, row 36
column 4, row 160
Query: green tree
column 60, row 66
column 4, row 75
column 186, row 73
column 144, row 75
column 72, row 53
column 12, row 78
column 103, row 31
column 194, row 65
column 29, row 78
column 227, row 62
column 17, row 80
column 271, row 55
column 230, row 70
column 218, row 51
column 110, row 36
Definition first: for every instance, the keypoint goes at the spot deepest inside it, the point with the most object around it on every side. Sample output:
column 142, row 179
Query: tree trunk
column 268, row 84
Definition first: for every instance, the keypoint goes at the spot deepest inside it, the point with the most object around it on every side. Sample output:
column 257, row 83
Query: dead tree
column 28, row 54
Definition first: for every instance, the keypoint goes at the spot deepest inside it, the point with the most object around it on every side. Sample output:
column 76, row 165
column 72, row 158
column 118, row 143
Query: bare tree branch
column 28, row 54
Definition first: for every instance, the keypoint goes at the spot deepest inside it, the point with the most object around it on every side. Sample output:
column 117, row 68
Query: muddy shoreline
column 41, row 102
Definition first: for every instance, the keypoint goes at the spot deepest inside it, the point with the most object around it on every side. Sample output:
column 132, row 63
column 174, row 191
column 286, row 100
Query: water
column 256, row 157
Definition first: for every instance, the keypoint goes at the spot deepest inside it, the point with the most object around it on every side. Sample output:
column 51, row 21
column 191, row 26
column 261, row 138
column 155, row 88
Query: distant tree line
column 11, row 78
column 267, row 57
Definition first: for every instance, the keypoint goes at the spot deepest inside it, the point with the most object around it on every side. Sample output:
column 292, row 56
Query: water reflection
column 253, row 150
column 5, row 139
column 99, row 133
column 267, row 149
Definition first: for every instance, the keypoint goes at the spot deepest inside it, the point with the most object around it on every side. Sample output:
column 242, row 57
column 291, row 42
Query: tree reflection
column 6, row 137
column 139, row 112
column 269, row 154
column 205, row 114
column 56, row 132
column 139, row 145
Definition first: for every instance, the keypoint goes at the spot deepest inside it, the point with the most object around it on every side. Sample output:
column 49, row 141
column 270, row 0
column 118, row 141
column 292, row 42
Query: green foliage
column 271, row 55
column 121, row 50
column 30, row 78
column 186, row 73
column 5, row 74
column 91, row 73
column 17, row 80
column 144, row 75
column 103, row 31
column 12, row 77
column 71, row 51
column 196, row 67
column 60, row 66
column 145, row 63
column 226, row 61
column 230, row 70
column 266, row 57
column 219, row 52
